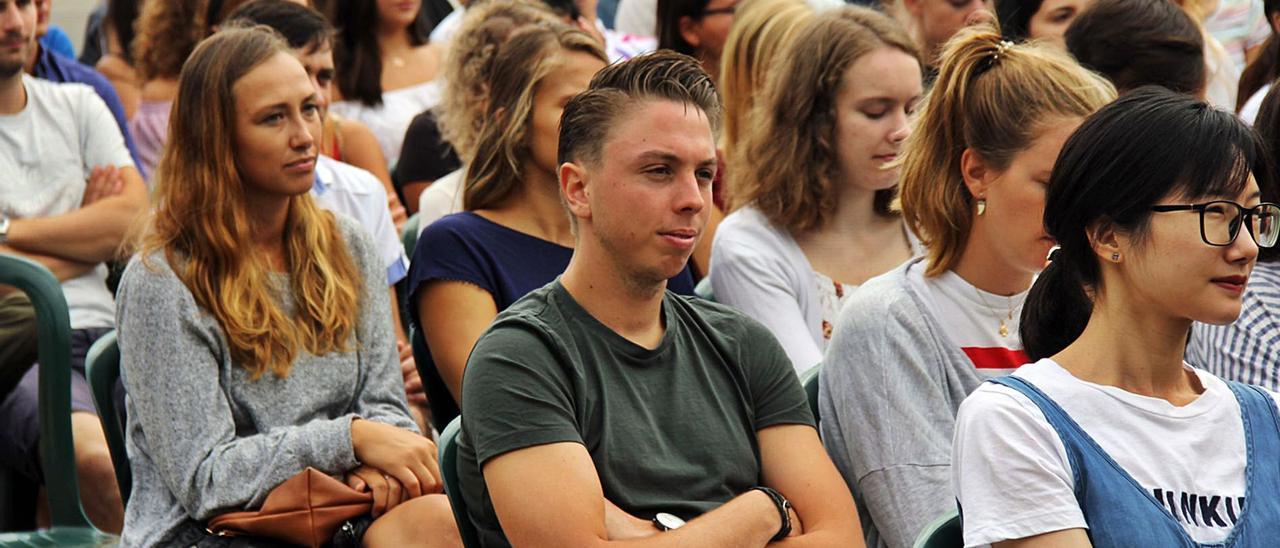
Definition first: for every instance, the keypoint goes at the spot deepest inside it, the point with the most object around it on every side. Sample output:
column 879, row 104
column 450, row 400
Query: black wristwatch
column 666, row 522
column 784, row 507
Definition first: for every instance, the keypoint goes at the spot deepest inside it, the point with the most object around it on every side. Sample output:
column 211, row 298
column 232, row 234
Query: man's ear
column 977, row 175
column 573, row 189
column 688, row 28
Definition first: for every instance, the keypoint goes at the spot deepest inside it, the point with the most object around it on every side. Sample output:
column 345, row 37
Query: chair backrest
column 409, row 234
column 703, row 289
column 53, row 329
column 102, row 366
column 809, row 379
column 448, row 445
column 944, row 532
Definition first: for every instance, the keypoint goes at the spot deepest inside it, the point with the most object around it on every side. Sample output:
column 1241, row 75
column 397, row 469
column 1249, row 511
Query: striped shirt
column 1248, row 350
column 1239, row 25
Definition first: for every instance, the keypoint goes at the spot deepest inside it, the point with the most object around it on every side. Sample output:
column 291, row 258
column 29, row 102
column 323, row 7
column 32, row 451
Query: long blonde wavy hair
column 202, row 225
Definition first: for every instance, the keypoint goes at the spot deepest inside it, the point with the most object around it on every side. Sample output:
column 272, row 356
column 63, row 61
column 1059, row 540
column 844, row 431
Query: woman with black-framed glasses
column 1111, row 439
column 1247, row 350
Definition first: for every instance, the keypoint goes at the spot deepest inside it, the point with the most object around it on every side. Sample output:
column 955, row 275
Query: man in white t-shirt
column 69, row 195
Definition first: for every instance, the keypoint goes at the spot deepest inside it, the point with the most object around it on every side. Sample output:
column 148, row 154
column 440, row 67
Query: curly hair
column 484, row 28
column 167, row 32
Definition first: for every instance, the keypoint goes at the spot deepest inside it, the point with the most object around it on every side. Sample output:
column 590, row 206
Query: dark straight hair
column 1140, row 42
column 1268, row 126
column 121, row 15
column 1149, row 144
column 301, row 27
column 356, row 54
column 668, row 24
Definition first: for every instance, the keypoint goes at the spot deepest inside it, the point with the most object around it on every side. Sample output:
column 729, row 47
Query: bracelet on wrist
column 783, row 511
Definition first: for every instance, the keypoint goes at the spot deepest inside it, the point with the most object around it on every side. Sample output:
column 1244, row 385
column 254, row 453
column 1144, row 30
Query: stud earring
column 1115, row 256
column 982, row 206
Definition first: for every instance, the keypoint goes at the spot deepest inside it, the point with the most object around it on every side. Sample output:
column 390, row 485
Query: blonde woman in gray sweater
column 254, row 331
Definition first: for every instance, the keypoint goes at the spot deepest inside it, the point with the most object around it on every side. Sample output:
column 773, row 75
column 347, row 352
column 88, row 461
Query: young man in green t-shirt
column 602, row 408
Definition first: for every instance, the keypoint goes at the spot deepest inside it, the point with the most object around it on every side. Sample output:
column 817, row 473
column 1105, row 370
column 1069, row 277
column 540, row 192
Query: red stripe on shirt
column 996, row 358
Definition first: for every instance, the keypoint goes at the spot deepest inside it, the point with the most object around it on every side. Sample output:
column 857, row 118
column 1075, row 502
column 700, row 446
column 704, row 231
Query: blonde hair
column 788, row 159
column 202, row 225
column 994, row 98
column 761, row 29
column 520, row 66
column 469, row 63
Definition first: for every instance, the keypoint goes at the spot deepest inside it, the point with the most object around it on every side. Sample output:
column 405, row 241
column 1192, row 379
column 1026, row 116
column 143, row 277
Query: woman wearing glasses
column 1110, row 439
column 1248, row 350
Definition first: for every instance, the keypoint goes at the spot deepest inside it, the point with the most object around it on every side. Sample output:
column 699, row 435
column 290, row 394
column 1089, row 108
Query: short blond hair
column 994, row 98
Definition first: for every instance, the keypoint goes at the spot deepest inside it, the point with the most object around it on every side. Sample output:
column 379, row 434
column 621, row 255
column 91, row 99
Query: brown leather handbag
column 306, row 509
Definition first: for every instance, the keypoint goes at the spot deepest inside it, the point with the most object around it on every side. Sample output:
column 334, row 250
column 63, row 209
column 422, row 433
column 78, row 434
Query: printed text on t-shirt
column 1201, row 510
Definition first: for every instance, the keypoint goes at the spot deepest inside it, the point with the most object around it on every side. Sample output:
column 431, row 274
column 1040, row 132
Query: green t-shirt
column 670, row 430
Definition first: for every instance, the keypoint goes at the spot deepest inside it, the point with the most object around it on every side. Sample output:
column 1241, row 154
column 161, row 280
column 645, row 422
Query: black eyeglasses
column 1220, row 221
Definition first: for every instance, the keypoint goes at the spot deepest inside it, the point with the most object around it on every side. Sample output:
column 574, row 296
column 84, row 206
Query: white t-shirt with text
column 1011, row 474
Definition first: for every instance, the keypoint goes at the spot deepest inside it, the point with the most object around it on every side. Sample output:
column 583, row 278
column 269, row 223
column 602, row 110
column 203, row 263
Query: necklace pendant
column 1004, row 329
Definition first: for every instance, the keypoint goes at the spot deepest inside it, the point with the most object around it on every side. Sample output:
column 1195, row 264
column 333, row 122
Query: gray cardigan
column 202, row 438
column 890, row 388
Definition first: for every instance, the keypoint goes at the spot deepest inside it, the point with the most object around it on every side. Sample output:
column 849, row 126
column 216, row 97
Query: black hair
column 356, row 54
column 1140, row 42
column 121, row 16
column 1267, row 125
column 1147, row 145
column 301, row 27
column 668, row 25
column 1015, row 17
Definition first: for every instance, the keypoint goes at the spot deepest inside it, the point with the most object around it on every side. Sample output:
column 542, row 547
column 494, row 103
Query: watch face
column 668, row 521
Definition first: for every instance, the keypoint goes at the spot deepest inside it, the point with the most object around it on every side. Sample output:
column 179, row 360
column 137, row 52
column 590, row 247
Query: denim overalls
column 1122, row 514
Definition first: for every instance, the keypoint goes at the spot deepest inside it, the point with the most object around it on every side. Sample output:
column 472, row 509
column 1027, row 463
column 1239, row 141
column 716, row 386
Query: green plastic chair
column 449, row 470
column 409, row 238
column 703, row 289
column 68, row 524
column 409, row 234
column 102, row 367
column 809, row 379
column 944, row 532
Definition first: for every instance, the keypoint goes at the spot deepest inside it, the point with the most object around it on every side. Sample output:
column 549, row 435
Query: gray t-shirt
column 671, row 429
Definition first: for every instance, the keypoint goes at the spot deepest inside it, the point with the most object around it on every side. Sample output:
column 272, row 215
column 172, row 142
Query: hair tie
column 1054, row 253
column 1001, row 48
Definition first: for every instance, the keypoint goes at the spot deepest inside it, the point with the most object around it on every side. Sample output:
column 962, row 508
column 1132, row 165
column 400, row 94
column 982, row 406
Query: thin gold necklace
column 1004, row 327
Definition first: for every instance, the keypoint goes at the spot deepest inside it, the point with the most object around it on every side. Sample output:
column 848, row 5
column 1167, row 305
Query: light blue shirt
column 356, row 193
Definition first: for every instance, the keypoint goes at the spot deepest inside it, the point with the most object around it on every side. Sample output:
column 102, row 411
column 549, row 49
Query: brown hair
column 1140, row 42
column 787, row 163
column 519, row 68
column 663, row 74
column 761, row 30
column 201, row 223
column 167, row 32
column 994, row 98
column 469, row 63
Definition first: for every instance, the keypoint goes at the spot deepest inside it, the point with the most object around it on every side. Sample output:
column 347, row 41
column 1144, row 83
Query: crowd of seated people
column 1009, row 264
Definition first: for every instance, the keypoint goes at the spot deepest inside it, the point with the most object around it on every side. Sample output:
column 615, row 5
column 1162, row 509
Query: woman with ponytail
column 911, row 344
column 1110, row 439
column 254, row 329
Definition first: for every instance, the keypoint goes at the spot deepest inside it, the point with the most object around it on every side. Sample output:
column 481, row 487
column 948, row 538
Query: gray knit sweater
column 202, row 438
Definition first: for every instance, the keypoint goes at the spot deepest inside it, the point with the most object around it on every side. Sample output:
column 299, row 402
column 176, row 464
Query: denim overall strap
column 1260, row 524
column 1120, row 513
